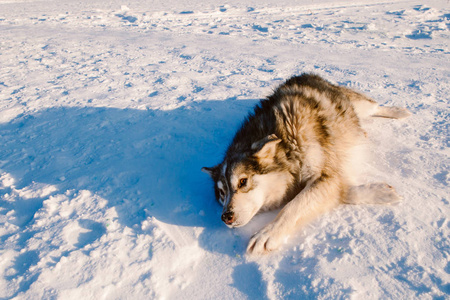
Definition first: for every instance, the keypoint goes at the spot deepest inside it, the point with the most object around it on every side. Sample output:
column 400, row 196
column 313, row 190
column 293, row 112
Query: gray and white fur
column 297, row 150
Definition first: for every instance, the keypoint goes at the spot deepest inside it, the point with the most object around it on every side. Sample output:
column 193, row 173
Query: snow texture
column 109, row 109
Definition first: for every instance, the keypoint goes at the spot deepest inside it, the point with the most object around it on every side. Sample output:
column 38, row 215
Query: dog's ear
column 266, row 148
column 210, row 171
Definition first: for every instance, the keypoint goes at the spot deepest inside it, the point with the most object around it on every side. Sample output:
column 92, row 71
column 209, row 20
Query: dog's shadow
column 143, row 162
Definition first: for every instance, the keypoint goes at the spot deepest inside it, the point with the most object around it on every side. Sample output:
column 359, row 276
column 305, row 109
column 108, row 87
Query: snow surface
column 108, row 110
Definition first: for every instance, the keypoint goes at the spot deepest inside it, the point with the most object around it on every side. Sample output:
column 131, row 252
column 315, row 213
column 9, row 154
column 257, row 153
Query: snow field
column 109, row 109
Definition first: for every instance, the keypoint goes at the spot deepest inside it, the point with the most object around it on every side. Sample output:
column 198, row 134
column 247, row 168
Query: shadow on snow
column 145, row 163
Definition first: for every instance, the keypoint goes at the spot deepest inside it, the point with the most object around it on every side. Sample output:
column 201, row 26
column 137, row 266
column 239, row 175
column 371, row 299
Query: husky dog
column 297, row 150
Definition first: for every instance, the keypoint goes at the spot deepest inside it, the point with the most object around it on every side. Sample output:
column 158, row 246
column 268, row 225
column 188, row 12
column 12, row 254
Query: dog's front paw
column 266, row 240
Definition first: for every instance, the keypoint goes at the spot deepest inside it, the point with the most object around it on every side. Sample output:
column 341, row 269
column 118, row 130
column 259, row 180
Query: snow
column 109, row 109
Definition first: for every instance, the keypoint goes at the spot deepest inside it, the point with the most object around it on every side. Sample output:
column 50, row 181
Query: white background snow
column 108, row 110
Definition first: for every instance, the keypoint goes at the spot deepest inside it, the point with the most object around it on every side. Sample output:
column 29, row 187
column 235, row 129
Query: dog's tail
column 374, row 193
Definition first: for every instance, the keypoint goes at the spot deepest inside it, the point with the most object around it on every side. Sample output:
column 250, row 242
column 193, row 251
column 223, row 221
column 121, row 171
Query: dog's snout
column 228, row 217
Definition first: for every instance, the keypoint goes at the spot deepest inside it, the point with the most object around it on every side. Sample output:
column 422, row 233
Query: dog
column 297, row 150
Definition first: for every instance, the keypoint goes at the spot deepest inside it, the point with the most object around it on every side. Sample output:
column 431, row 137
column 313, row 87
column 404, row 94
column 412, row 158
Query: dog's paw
column 374, row 193
column 386, row 194
column 266, row 240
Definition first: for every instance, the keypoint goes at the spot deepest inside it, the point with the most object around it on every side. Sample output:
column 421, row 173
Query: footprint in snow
column 23, row 262
column 83, row 233
column 130, row 19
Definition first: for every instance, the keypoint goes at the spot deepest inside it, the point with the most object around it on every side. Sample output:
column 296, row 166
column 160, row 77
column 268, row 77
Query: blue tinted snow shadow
column 248, row 279
column 420, row 35
column 21, row 265
column 143, row 162
column 260, row 28
column 130, row 19
column 95, row 231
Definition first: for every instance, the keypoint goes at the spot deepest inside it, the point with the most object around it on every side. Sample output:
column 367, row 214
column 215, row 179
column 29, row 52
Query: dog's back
column 315, row 120
column 297, row 148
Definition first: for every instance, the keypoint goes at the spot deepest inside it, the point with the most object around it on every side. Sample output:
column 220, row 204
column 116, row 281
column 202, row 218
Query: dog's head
column 251, row 180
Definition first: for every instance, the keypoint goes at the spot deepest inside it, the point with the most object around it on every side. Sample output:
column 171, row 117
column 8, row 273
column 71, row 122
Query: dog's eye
column 242, row 182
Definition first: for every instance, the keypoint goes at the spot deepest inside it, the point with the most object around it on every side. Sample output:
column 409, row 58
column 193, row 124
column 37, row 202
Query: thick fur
column 297, row 150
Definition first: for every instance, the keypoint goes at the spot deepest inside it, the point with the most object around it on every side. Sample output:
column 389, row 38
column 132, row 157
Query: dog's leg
column 374, row 193
column 319, row 197
column 363, row 105
column 366, row 107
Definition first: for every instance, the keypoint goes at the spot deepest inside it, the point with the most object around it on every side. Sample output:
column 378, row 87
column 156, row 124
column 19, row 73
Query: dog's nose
column 228, row 217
